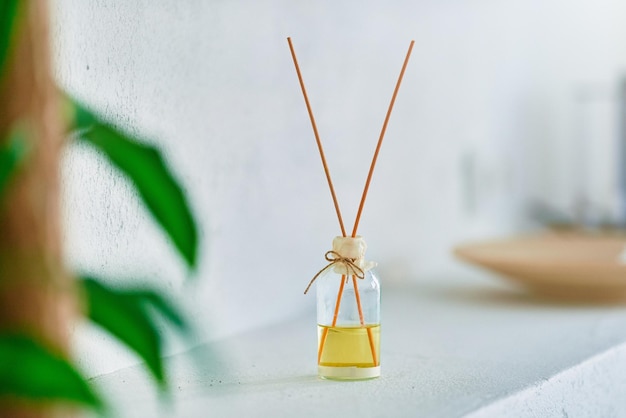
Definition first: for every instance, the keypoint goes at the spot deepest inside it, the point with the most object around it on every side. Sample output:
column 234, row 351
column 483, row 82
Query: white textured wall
column 480, row 126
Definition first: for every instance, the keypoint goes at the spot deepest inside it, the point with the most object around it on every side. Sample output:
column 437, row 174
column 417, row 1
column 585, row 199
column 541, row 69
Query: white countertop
column 467, row 347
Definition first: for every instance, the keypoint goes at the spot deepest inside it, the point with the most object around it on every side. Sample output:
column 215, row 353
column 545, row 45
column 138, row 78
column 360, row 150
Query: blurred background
column 511, row 115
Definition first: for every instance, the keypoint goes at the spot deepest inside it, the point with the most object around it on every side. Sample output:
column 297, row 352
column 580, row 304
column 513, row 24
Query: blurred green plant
column 29, row 370
column 130, row 315
column 146, row 169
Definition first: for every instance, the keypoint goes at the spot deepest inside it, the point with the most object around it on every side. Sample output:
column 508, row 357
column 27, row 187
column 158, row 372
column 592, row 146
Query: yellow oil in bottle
column 349, row 352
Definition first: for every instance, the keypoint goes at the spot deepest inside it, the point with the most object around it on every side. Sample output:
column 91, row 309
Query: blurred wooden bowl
column 579, row 265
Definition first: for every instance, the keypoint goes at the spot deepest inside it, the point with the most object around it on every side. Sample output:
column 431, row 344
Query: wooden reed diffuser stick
column 317, row 138
column 330, row 185
column 366, row 189
column 380, row 141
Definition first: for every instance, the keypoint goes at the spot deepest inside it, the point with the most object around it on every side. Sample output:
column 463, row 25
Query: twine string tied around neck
column 333, row 257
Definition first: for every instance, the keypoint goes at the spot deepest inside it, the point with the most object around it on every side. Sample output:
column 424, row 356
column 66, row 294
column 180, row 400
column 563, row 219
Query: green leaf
column 28, row 370
column 12, row 153
column 127, row 321
column 146, row 168
column 9, row 10
column 125, row 314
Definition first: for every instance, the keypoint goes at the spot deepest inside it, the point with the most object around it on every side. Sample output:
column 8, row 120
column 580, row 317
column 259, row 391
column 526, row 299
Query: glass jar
column 348, row 313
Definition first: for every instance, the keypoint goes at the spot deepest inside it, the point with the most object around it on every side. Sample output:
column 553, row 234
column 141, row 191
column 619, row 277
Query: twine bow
column 333, row 257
